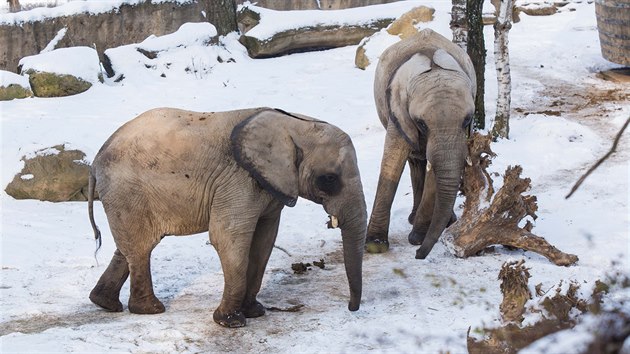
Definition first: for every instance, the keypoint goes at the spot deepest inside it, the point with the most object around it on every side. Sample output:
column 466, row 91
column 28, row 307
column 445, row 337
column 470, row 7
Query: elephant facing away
column 176, row 172
column 424, row 89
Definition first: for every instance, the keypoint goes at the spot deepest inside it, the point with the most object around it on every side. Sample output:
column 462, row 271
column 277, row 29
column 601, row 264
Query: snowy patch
column 9, row 78
column 80, row 62
column 188, row 52
column 27, row 177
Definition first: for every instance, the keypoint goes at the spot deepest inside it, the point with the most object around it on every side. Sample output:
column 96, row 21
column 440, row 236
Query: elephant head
column 305, row 157
column 424, row 90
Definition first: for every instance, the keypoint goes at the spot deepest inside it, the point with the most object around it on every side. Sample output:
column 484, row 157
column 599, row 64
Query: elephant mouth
column 333, row 222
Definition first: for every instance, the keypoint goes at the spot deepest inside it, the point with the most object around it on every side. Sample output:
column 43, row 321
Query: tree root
column 494, row 220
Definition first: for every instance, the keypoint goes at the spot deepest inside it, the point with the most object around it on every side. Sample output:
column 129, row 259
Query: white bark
column 459, row 24
column 502, row 27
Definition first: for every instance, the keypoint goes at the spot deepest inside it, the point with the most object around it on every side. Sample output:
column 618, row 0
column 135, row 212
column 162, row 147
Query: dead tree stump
column 494, row 219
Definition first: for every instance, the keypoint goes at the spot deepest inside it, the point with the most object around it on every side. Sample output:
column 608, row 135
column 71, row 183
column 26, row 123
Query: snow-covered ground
column 564, row 118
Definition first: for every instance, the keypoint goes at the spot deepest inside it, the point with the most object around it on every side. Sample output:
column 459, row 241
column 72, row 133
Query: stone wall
column 125, row 25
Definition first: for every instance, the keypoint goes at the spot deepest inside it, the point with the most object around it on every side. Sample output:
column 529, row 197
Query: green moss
column 56, row 85
column 14, row 91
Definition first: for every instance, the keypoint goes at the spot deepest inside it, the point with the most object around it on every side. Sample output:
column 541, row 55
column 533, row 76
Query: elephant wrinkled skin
column 176, row 172
column 424, row 89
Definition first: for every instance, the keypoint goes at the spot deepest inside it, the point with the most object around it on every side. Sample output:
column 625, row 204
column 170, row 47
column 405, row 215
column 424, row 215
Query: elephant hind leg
column 106, row 293
column 417, row 170
column 142, row 300
column 423, row 216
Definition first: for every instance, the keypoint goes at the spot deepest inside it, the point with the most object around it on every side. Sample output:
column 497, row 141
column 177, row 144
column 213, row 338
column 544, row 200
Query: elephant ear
column 262, row 145
column 398, row 97
column 446, row 61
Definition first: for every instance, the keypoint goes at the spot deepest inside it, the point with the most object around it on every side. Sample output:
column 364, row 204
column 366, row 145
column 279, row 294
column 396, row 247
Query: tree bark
column 458, row 24
column 14, row 5
column 495, row 219
column 476, row 49
column 501, row 128
column 222, row 14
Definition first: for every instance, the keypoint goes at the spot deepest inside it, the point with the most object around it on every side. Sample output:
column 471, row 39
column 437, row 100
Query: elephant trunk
column 447, row 161
column 353, row 230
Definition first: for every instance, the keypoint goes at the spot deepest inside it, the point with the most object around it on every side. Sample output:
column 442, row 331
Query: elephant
column 176, row 172
column 424, row 90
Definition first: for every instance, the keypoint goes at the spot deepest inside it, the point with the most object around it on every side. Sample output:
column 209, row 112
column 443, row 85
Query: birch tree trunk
column 459, row 24
column 501, row 128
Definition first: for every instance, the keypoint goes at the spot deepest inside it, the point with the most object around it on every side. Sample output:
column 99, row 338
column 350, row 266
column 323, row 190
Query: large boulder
column 269, row 33
column 13, row 86
column 404, row 26
column 62, row 72
column 53, row 174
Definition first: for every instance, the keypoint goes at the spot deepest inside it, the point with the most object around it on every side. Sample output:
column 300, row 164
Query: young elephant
column 175, row 172
column 424, row 89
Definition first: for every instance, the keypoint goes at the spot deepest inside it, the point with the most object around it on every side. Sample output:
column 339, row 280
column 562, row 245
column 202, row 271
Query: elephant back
column 425, row 42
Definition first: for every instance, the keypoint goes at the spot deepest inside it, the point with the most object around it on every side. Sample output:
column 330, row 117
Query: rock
column 316, row 30
column 53, row 174
column 56, row 85
column 311, row 38
column 247, row 19
column 405, row 25
column 62, row 72
column 538, row 9
column 13, row 86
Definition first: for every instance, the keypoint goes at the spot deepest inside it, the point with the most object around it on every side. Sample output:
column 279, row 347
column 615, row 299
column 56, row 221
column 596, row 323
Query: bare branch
column 600, row 161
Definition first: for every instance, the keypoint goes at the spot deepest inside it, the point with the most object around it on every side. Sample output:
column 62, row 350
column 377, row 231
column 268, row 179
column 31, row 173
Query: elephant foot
column 148, row 305
column 230, row 320
column 253, row 310
column 377, row 246
column 106, row 301
column 416, row 237
column 412, row 217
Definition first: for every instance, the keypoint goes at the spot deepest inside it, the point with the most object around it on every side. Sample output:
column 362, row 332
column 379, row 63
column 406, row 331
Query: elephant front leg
column 232, row 243
column 106, row 293
column 262, row 245
column 395, row 154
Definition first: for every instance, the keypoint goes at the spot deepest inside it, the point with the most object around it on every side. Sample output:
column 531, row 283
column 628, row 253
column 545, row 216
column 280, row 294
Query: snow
column 80, row 62
column 8, row 78
column 409, row 305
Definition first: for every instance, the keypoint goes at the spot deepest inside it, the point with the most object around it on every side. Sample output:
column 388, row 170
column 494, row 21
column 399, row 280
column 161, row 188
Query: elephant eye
column 422, row 126
column 328, row 183
column 467, row 121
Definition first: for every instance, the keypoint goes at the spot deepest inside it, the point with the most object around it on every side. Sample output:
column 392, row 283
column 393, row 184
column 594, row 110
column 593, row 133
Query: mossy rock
column 53, row 174
column 14, row 91
column 45, row 84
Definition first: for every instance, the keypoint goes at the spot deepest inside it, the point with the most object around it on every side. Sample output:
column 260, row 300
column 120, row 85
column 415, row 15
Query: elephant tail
column 97, row 232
